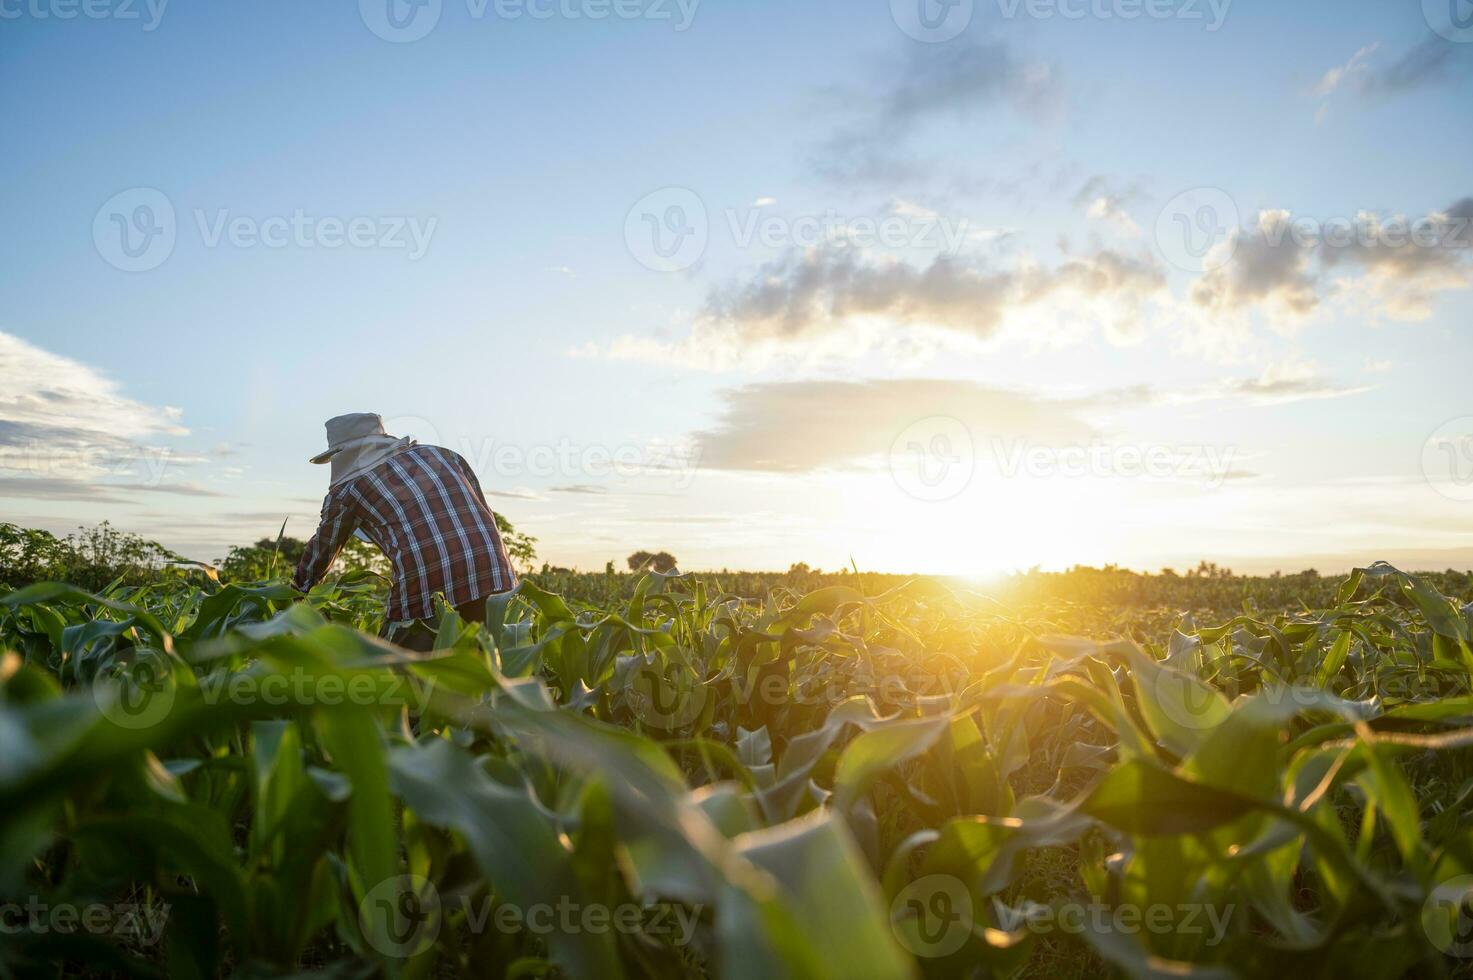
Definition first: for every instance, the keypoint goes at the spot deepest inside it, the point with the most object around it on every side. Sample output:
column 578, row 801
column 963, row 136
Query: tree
column 520, row 548
column 92, row 558
column 265, row 559
column 644, row 561
column 28, row 555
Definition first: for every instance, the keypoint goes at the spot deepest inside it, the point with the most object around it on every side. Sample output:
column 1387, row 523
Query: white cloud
column 63, row 420
column 790, row 427
column 1432, row 61
column 1371, row 265
column 910, row 209
column 1109, row 209
column 1264, row 264
column 798, row 427
column 843, row 301
column 1357, row 65
column 1290, row 381
column 1402, row 280
column 1106, row 200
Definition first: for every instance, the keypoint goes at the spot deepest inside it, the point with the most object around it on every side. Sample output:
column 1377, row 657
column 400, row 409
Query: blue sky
column 913, row 401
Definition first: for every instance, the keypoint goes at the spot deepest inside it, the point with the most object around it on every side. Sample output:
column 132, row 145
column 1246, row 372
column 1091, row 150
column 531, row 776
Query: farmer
column 424, row 509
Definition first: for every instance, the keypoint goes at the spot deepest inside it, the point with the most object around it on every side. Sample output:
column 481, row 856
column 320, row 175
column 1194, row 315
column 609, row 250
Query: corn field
column 202, row 780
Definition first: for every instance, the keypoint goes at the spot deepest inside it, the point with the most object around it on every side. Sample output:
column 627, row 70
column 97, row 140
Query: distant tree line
column 97, row 557
column 91, row 558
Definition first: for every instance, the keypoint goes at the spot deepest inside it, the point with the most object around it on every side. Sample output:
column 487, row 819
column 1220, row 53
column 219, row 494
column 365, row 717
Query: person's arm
column 338, row 522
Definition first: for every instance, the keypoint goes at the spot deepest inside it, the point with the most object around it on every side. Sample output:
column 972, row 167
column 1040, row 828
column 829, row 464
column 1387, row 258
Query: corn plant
column 201, row 780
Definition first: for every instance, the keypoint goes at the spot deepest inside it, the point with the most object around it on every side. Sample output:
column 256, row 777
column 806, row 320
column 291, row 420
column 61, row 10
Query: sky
column 950, row 286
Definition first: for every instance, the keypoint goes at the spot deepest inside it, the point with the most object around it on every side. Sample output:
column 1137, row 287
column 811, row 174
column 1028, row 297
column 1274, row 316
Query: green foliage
column 521, row 547
column 95, row 557
column 28, row 555
column 652, row 561
column 266, row 558
column 826, row 781
column 89, row 557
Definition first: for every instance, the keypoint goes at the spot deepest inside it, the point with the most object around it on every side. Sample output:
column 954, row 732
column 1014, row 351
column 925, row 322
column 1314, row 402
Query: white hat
column 357, row 443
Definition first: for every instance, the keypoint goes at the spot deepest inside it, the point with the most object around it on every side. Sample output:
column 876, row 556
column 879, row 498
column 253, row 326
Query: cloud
column 1354, row 68
column 1434, row 60
column 798, row 427
column 832, row 296
column 61, row 418
column 959, row 80
column 580, row 488
column 685, row 519
column 1103, row 200
column 516, row 493
column 51, row 488
column 299, row 522
column 1403, row 279
column 952, row 82
column 1289, row 382
column 852, row 159
column 1267, row 265
column 179, row 489
column 1431, row 62
column 54, row 488
column 1385, row 265
column 812, row 290
column 1102, row 273
column 1109, row 209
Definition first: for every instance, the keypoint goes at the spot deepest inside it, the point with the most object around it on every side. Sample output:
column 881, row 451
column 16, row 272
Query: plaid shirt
column 425, row 510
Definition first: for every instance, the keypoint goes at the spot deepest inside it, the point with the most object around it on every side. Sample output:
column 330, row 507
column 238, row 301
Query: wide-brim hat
column 357, row 444
column 351, row 432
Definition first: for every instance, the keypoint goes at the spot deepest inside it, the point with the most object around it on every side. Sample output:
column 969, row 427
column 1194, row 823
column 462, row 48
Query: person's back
column 424, row 508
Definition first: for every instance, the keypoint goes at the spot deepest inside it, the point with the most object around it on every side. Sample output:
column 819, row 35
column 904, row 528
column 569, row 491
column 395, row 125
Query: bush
column 92, row 558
